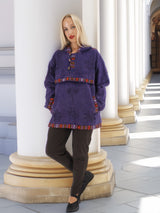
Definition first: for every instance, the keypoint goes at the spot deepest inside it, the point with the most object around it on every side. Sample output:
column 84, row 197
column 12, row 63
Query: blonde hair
column 81, row 36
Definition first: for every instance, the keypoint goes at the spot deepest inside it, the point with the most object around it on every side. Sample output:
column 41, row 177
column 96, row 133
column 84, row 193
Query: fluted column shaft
column 137, row 42
column 131, row 46
column 92, row 32
column 108, row 51
column 113, row 132
column 123, row 75
column 125, row 109
column 134, row 99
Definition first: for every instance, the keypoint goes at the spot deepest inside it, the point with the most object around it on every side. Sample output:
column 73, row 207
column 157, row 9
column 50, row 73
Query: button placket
column 71, row 61
column 71, row 58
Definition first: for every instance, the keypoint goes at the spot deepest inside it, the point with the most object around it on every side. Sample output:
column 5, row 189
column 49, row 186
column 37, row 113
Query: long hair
column 81, row 35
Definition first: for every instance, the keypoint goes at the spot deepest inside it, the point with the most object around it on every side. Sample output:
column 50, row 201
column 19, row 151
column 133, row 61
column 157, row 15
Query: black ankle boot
column 87, row 178
column 73, row 207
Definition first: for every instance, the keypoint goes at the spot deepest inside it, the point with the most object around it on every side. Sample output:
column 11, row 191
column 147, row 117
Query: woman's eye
column 65, row 29
column 73, row 27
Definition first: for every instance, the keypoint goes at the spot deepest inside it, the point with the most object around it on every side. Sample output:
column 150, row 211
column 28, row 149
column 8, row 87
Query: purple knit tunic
column 75, row 88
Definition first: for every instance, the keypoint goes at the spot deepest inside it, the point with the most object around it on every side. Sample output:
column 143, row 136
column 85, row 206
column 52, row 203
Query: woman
column 75, row 95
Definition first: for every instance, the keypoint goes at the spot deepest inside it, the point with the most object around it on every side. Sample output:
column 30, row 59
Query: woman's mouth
column 71, row 36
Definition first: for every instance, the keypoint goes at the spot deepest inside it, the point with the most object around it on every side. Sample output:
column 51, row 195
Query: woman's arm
column 101, row 81
column 49, row 84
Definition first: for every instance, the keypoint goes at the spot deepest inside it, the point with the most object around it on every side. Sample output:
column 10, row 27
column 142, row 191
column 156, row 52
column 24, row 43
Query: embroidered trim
column 74, row 79
column 95, row 103
column 73, row 126
column 51, row 102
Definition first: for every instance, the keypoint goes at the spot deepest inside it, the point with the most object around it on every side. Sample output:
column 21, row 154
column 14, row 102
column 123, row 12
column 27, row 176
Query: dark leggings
column 55, row 148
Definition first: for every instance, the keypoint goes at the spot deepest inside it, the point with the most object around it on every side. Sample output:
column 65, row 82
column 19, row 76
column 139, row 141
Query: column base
column 148, row 78
column 140, row 94
column 145, row 83
column 143, row 88
column 43, row 180
column 113, row 132
column 127, row 113
column 135, row 101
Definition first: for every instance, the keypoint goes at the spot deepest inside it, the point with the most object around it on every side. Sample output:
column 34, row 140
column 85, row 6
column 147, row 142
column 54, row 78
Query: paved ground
column 137, row 168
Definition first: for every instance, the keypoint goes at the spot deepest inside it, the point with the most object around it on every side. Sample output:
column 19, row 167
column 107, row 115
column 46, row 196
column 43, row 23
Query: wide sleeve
column 101, row 81
column 49, row 83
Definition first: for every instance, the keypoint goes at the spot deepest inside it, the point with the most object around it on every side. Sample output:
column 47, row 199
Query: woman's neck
column 74, row 47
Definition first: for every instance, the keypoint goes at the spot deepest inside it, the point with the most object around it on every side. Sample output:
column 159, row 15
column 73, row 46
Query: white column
column 122, row 57
column 147, row 44
column 138, row 31
column 91, row 21
column 131, row 47
column 141, row 35
column 126, row 111
column 108, row 51
column 146, row 39
column 137, row 53
column 113, row 131
column 131, row 55
column 138, row 44
column 144, row 51
column 92, row 32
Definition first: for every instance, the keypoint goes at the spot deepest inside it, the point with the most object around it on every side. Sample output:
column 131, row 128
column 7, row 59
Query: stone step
column 7, row 57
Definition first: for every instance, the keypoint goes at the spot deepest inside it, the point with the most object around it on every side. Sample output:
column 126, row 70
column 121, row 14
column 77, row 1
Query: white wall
column 6, row 23
column 7, row 18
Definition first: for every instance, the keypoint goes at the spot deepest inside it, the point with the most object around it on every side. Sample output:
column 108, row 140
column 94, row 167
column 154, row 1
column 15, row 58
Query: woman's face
column 70, row 30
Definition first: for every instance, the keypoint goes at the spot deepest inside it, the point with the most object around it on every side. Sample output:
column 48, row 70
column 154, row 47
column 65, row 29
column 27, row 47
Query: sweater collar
column 81, row 49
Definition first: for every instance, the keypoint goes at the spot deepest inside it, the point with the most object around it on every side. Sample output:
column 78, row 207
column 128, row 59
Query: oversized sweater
column 75, row 88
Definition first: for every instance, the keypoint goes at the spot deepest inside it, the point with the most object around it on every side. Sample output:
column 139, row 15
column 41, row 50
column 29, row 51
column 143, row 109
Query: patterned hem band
column 74, row 79
column 73, row 126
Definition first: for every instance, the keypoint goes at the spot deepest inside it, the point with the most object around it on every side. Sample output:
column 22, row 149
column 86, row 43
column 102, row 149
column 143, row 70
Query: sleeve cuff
column 51, row 102
column 95, row 103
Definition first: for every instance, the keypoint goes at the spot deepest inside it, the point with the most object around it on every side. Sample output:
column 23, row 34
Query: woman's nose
column 70, row 31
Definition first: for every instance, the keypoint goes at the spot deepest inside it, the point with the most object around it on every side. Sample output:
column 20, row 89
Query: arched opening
column 155, row 35
column 155, row 41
